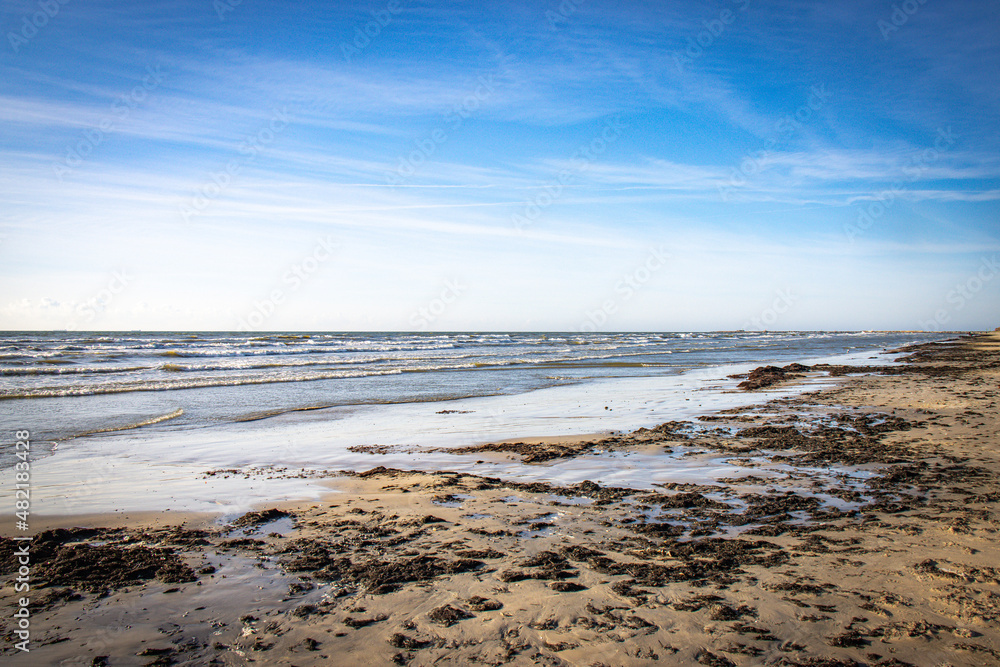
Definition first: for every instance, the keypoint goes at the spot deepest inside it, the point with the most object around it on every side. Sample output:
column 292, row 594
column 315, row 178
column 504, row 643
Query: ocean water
column 107, row 409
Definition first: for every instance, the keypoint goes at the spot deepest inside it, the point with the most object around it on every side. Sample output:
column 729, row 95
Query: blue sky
column 574, row 165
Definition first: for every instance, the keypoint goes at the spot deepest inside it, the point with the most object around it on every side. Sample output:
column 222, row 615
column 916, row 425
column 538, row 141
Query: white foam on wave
column 139, row 424
column 192, row 383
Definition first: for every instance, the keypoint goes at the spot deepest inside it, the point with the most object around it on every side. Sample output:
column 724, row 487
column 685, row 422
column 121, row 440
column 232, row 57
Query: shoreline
column 91, row 474
column 866, row 536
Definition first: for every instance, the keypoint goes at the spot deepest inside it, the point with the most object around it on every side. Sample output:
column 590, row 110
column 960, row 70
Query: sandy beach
column 865, row 534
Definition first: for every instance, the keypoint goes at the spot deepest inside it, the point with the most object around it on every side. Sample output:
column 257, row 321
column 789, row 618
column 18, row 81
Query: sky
column 572, row 165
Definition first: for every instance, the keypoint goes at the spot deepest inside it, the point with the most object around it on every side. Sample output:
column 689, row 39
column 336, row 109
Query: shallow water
column 62, row 385
column 161, row 464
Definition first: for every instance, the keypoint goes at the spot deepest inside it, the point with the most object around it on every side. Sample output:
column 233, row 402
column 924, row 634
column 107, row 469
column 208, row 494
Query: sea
column 134, row 421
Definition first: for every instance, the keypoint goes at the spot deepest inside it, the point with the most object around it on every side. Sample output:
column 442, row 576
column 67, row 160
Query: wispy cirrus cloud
column 410, row 97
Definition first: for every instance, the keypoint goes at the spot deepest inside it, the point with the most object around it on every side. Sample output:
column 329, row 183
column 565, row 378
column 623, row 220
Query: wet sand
column 865, row 533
